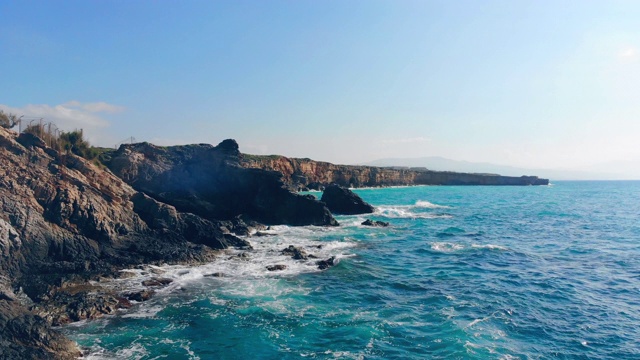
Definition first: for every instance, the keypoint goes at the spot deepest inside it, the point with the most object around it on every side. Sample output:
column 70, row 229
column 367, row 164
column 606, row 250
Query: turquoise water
column 462, row 273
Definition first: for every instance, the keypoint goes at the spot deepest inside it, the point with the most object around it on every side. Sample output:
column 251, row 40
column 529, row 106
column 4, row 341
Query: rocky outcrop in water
column 374, row 223
column 341, row 200
column 208, row 181
column 310, row 174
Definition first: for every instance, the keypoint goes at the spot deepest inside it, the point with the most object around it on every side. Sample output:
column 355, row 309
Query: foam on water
column 421, row 209
column 267, row 250
column 446, row 247
column 449, row 247
column 430, row 205
column 504, row 274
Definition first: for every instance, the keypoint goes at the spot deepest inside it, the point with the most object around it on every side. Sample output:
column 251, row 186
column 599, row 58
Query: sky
column 535, row 84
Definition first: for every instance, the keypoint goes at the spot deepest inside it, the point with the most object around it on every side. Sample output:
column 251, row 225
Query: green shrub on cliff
column 8, row 120
column 71, row 141
column 75, row 143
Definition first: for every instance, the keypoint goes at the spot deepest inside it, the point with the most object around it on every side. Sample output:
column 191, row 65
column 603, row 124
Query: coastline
column 69, row 226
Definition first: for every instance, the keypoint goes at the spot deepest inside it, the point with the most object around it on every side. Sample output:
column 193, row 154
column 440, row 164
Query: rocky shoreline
column 69, row 226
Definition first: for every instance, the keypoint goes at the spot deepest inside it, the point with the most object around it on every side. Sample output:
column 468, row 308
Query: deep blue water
column 547, row 272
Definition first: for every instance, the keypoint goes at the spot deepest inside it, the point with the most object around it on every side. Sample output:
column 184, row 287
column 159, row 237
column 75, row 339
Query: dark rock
column 79, row 302
column 375, row 223
column 157, row 282
column 341, row 200
column 244, row 256
column 142, row 295
column 25, row 335
column 241, row 226
column 295, row 253
column 209, row 182
column 261, row 234
column 276, row 267
column 216, row 274
column 325, row 264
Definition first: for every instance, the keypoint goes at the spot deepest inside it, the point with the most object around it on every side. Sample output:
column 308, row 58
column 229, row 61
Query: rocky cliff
column 210, row 182
column 307, row 173
column 64, row 221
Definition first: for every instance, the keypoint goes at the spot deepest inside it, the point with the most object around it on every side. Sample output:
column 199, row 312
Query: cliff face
column 306, row 173
column 208, row 181
column 64, row 220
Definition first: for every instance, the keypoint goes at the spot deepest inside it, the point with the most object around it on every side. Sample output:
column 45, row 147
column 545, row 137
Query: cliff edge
column 309, row 174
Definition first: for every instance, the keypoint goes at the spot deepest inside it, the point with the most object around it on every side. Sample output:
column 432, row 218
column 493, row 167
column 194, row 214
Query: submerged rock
column 295, row 253
column 142, row 295
column 278, row 267
column 157, row 282
column 216, row 274
column 341, row 200
column 325, row 264
column 375, row 223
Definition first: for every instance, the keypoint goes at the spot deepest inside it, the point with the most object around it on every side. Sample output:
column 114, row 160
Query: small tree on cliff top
column 8, row 120
column 75, row 143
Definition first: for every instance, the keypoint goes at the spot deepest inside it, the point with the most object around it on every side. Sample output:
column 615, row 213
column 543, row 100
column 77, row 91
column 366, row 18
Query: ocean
column 536, row 272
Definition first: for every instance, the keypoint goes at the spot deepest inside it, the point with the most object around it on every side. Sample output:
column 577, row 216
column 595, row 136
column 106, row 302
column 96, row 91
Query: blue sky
column 525, row 83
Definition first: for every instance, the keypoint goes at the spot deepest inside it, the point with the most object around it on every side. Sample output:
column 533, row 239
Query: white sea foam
column 430, row 205
column 446, row 247
column 133, row 352
column 406, row 212
column 144, row 312
column 488, row 246
column 244, row 272
column 416, row 211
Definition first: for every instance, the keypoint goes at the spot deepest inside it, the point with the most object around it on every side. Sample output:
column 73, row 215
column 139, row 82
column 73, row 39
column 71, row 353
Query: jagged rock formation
column 307, row 173
column 341, row 200
column 64, row 220
column 208, row 181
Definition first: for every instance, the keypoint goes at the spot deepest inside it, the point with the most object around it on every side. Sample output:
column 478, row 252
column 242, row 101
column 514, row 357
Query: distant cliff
column 307, row 173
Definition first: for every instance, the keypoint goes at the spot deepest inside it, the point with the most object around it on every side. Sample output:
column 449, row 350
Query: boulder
column 295, row 253
column 157, row 282
column 142, row 295
column 375, row 223
column 278, row 267
column 325, row 264
column 216, row 274
column 341, row 200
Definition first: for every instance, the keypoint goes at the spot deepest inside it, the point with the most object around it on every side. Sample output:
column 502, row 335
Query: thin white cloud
column 95, row 107
column 70, row 116
column 419, row 139
column 67, row 116
column 629, row 54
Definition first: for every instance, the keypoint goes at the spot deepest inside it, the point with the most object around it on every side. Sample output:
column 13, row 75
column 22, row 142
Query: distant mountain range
column 621, row 170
